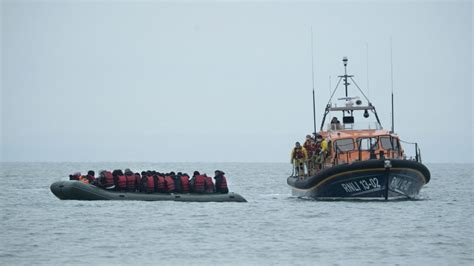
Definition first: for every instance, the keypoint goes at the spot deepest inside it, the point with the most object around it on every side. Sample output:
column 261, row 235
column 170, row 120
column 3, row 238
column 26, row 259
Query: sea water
column 273, row 228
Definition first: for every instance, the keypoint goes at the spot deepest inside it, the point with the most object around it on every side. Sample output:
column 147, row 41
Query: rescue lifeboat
column 76, row 190
column 363, row 160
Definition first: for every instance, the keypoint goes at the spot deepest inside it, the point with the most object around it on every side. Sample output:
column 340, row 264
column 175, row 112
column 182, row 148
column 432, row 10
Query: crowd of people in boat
column 310, row 156
column 155, row 182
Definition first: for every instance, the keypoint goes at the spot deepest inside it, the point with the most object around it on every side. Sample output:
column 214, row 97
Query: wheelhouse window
column 344, row 145
column 367, row 144
column 395, row 144
column 386, row 143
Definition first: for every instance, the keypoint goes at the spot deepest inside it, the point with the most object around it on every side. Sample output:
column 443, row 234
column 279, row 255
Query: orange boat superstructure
column 359, row 145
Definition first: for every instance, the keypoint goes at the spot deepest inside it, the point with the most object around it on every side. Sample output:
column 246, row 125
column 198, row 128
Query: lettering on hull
column 361, row 185
column 398, row 183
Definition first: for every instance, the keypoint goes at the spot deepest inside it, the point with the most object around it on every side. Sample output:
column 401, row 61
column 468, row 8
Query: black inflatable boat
column 76, row 190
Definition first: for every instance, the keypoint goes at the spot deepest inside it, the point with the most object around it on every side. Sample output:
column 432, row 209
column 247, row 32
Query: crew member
column 335, row 124
column 298, row 158
column 324, row 147
column 318, row 153
column 310, row 146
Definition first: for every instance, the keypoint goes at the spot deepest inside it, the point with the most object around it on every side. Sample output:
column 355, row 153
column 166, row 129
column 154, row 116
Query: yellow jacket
column 301, row 154
column 324, row 145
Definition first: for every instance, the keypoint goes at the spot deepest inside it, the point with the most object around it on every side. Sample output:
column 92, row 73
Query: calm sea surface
column 272, row 228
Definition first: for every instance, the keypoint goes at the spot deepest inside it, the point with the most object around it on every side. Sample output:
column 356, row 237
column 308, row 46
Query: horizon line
column 247, row 162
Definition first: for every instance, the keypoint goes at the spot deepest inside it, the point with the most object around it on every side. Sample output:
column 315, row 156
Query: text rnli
column 361, row 185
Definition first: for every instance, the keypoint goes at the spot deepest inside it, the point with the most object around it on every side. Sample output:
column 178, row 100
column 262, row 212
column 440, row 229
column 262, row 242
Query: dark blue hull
column 372, row 179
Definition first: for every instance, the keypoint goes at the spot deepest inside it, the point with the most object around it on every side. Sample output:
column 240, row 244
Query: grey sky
column 151, row 81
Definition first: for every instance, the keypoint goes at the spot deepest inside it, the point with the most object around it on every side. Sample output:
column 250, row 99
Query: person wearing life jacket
column 138, row 177
column 91, row 177
column 177, row 182
column 319, row 152
column 106, row 180
column 161, row 183
column 184, row 182
column 221, row 182
column 84, row 179
column 335, row 124
column 197, row 183
column 325, row 145
column 131, row 180
column 78, row 177
column 309, row 144
column 209, row 185
column 169, row 183
column 310, row 147
column 151, row 182
column 75, row 176
column 299, row 156
column 143, row 182
column 120, row 180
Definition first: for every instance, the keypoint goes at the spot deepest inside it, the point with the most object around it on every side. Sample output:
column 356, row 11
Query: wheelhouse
column 348, row 147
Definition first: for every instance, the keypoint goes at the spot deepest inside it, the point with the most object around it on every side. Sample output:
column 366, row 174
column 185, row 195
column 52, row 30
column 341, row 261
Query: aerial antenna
column 312, row 75
column 391, row 78
column 367, row 61
column 345, row 77
column 330, row 85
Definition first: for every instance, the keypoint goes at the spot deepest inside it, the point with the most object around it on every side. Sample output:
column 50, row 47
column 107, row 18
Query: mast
column 344, row 60
column 345, row 76
column 312, row 76
column 391, row 78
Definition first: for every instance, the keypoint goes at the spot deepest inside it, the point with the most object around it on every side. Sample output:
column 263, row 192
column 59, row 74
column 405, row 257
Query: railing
column 354, row 126
column 343, row 156
column 417, row 151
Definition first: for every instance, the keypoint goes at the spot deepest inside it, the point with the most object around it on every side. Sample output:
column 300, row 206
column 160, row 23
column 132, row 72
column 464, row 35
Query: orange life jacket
column 221, row 184
column 108, row 179
column 199, row 184
column 131, row 182
column 84, row 179
column 185, row 183
column 121, row 182
column 150, row 184
column 209, row 185
column 161, row 184
column 169, row 184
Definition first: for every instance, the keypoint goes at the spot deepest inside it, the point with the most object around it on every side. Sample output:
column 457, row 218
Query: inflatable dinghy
column 76, row 190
